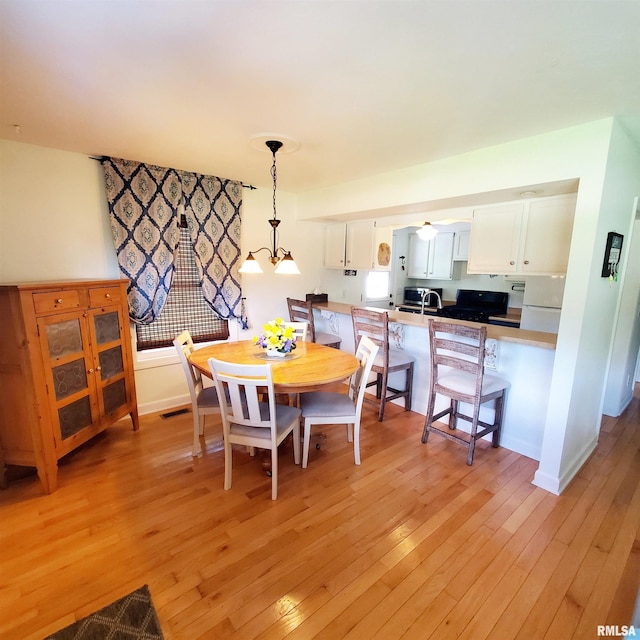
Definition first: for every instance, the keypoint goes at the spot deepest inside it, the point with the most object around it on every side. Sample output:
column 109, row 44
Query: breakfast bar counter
column 507, row 334
column 525, row 358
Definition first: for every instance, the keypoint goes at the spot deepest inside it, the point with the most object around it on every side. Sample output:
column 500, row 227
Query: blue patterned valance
column 145, row 206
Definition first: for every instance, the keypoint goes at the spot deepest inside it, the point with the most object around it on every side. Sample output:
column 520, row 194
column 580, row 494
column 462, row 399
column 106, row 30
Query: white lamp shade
column 250, row 265
column 287, row 266
column 427, row 231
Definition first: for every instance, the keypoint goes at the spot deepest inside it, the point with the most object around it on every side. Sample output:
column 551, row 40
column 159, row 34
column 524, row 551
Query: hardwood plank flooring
column 411, row 544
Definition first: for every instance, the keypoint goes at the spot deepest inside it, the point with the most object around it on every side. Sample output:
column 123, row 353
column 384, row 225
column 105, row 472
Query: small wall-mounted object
column 612, row 254
column 350, row 272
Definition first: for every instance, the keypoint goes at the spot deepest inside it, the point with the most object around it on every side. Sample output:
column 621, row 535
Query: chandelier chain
column 274, row 176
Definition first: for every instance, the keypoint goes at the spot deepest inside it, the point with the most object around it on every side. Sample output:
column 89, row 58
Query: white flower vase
column 274, row 353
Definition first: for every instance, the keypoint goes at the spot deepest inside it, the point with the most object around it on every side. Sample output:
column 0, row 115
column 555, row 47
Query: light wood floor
column 411, row 544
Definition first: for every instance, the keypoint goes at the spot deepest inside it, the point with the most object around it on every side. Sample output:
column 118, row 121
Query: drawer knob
column 108, row 295
column 526, row 262
column 59, row 301
column 512, row 262
column 90, row 371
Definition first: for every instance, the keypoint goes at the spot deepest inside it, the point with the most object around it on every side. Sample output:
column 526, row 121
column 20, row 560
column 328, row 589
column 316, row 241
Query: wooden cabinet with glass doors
column 66, row 369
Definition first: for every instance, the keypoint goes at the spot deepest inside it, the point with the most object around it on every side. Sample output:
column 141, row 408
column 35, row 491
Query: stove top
column 476, row 306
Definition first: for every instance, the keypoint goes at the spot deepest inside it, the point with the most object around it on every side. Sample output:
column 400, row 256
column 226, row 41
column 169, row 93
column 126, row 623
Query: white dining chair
column 300, row 329
column 204, row 399
column 333, row 407
column 248, row 421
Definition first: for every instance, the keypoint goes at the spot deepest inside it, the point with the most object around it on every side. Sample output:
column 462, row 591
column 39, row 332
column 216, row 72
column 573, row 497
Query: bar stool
column 375, row 325
column 302, row 311
column 459, row 350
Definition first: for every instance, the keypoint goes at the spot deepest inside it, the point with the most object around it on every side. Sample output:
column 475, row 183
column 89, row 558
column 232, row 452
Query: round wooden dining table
column 309, row 367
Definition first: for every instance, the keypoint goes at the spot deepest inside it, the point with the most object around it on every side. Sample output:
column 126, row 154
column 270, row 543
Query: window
column 185, row 308
column 377, row 285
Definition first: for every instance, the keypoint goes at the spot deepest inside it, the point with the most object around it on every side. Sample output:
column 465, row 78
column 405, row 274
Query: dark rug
column 130, row 618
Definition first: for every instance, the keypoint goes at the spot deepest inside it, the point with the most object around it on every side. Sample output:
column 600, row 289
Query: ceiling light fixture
column 286, row 263
column 427, row 231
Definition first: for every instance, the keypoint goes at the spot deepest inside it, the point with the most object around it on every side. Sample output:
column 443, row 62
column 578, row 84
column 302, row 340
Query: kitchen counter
column 498, row 332
column 525, row 358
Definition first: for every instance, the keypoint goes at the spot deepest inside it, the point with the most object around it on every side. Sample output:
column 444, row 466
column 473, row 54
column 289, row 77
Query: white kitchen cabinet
column 418, row 261
column 431, row 259
column 461, row 245
column 358, row 245
column 334, row 245
column 527, row 238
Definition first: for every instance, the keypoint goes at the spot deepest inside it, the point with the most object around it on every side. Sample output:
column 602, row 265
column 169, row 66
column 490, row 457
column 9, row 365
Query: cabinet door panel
column 114, row 396
column 495, row 238
column 107, row 327
column 418, row 257
column 548, row 236
column 74, row 417
column 334, row 245
column 360, row 240
column 69, row 378
column 441, row 256
column 64, row 338
column 111, row 363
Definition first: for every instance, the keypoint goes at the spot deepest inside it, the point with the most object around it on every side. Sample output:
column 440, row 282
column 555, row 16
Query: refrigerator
column 542, row 303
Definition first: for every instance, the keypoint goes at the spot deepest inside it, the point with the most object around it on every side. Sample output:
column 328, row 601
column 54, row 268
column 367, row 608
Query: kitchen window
column 185, row 308
column 377, row 285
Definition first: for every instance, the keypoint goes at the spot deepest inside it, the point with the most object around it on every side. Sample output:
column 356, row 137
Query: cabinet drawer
column 55, row 301
column 104, row 295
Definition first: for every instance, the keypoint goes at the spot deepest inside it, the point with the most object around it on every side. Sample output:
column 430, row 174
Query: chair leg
column 409, row 388
column 474, row 431
column 383, row 394
column 198, row 430
column 296, row 442
column 497, row 420
column 305, row 443
column 274, row 473
column 356, row 442
column 453, row 417
column 228, row 458
column 428, row 418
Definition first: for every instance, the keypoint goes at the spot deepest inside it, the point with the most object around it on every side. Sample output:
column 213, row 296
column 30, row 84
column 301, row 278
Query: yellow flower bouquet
column 277, row 338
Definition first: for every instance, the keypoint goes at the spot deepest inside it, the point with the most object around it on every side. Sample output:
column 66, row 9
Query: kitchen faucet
column 425, row 293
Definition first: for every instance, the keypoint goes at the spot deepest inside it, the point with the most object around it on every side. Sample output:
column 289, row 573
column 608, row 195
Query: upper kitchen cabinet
column 358, row 245
column 433, row 258
column 461, row 245
column 527, row 238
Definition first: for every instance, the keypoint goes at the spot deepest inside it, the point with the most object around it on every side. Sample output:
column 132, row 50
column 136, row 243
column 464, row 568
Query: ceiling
column 360, row 87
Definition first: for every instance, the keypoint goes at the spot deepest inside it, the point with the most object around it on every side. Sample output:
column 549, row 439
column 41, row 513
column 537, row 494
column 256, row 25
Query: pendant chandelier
column 285, row 263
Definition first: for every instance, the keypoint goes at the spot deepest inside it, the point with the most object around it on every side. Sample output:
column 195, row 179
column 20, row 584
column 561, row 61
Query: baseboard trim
column 164, row 404
column 557, row 485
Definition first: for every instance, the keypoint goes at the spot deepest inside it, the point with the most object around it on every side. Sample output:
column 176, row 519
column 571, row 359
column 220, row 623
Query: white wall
column 53, row 216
